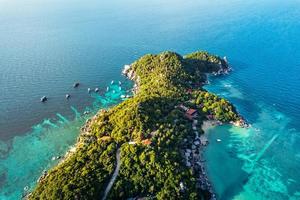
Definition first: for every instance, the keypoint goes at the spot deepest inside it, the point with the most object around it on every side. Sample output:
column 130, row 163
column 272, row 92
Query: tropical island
column 149, row 145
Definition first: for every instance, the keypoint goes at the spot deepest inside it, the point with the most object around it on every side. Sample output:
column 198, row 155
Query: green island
column 149, row 145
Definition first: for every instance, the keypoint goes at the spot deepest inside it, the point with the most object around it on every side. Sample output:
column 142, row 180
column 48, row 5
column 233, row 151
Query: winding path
column 114, row 176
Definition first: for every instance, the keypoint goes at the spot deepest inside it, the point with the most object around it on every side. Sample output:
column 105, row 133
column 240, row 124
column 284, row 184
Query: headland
column 149, row 145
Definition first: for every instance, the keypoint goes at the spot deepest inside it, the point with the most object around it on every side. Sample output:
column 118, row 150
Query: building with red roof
column 191, row 113
column 146, row 142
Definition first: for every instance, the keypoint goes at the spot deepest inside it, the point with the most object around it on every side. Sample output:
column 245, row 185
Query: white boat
column 112, row 82
column 68, row 96
column 219, row 140
column 96, row 89
column 86, row 112
column 89, row 90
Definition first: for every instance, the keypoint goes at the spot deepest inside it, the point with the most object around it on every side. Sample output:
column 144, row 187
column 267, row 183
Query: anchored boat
column 44, row 99
column 75, row 85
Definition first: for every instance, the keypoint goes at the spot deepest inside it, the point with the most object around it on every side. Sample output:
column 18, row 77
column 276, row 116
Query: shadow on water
column 23, row 159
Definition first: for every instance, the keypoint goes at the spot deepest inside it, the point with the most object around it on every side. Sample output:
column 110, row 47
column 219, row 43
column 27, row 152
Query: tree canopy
column 153, row 166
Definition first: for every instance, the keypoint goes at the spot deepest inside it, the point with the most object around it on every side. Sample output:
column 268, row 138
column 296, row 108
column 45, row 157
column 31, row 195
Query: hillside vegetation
column 149, row 129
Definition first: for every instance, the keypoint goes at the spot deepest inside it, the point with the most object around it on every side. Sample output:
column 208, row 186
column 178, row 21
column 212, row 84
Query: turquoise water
column 256, row 163
column 29, row 155
column 46, row 46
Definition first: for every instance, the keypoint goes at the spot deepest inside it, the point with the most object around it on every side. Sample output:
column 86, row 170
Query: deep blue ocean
column 46, row 46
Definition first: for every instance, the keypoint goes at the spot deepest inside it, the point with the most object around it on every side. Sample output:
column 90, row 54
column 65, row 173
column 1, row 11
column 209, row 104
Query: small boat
column 107, row 88
column 89, row 90
column 123, row 96
column 120, row 88
column 86, row 112
column 219, row 140
column 112, row 82
column 120, row 83
column 75, row 85
column 44, row 99
column 26, row 188
column 68, row 96
column 114, row 91
column 96, row 89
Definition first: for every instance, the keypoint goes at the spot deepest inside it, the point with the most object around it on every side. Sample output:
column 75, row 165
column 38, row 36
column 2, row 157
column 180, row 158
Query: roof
column 191, row 111
column 146, row 142
column 189, row 90
column 190, row 117
column 183, row 107
column 132, row 142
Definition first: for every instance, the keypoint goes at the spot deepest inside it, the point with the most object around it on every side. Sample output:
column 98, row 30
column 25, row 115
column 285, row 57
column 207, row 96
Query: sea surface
column 46, row 46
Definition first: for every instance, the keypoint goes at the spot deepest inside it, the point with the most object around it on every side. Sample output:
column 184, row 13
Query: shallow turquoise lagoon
column 260, row 162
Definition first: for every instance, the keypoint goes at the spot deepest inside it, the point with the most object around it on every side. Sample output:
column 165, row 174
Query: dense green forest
column 149, row 129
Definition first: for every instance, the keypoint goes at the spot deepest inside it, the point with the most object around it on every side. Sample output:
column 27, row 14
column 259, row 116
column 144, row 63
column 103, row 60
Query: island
column 149, row 146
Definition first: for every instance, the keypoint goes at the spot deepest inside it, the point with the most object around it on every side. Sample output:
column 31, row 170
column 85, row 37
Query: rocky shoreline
column 129, row 73
column 193, row 156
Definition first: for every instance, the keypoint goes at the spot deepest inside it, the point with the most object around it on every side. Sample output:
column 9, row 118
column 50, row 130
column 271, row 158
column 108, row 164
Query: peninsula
column 149, row 145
